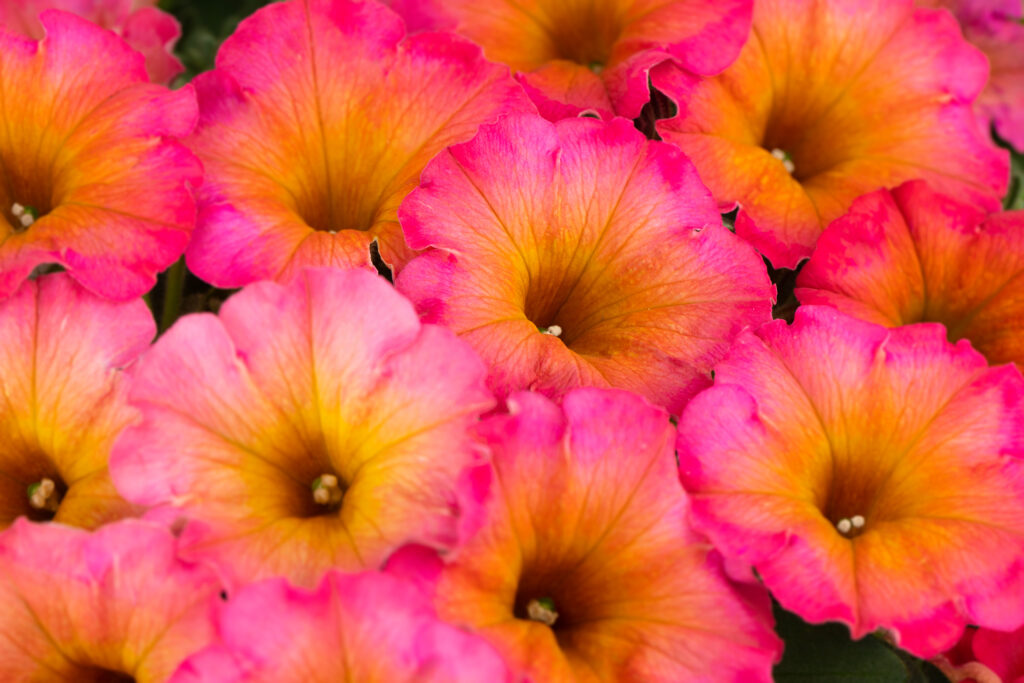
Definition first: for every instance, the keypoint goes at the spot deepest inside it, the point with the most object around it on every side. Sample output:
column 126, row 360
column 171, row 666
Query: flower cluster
column 503, row 396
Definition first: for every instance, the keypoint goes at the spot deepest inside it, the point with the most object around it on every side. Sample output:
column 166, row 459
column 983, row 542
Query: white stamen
column 844, row 526
column 553, row 330
column 787, row 163
column 538, row 611
column 17, row 209
column 26, row 220
column 42, row 496
column 326, row 490
column 857, row 521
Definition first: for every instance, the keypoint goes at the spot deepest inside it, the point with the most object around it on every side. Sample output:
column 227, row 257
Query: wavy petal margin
column 63, row 398
column 914, row 255
column 586, row 229
column 113, row 604
column 870, row 476
column 242, row 422
column 368, row 627
column 316, row 123
column 587, row 520
column 592, row 56
column 830, row 100
column 90, row 146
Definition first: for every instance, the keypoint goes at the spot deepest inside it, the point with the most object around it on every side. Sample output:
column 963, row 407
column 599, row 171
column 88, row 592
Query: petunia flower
column 112, row 605
column 63, row 400
column 593, row 55
column 310, row 426
column 985, row 656
column 316, row 123
column 870, row 476
column 351, row 627
column 584, row 566
column 93, row 177
column 579, row 253
column 139, row 22
column 914, row 255
column 830, row 100
column 994, row 26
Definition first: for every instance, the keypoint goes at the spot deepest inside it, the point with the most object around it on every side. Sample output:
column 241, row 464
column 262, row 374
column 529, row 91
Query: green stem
column 173, row 287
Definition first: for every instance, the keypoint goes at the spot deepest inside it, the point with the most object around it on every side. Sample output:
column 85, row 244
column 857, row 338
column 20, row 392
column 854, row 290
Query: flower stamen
column 542, row 610
column 553, row 330
column 787, row 161
column 43, row 495
column 848, row 525
column 326, row 490
column 26, row 215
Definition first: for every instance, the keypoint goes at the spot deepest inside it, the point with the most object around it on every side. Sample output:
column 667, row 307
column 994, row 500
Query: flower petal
column 913, row 255
column 540, row 225
column 241, row 421
column 78, row 606
column 315, row 124
column 848, row 96
column 871, row 476
column 587, row 513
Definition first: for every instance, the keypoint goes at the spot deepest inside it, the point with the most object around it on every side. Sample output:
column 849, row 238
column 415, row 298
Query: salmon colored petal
column 594, row 55
column 586, row 229
column 243, row 421
column 352, row 627
column 914, row 255
column 588, row 526
column 64, row 399
column 154, row 33
column 113, row 604
column 1002, row 652
column 315, row 125
column 829, row 100
column 139, row 22
column 90, row 150
column 994, row 26
column 1002, row 101
column 870, row 476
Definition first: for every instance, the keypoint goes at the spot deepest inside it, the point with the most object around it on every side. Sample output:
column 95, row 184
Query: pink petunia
column 914, row 255
column 309, row 426
column 830, row 100
column 994, row 26
column 369, row 627
column 316, row 123
column 578, row 253
column 94, row 178
column 63, row 400
column 115, row 604
column 871, row 476
column 584, row 566
column 594, row 55
column 143, row 26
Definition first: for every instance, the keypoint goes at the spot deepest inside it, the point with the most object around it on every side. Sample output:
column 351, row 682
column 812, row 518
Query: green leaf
column 826, row 654
column 1015, row 196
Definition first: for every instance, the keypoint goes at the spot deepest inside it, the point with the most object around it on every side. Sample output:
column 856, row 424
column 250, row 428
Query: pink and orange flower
column 64, row 400
column 112, row 605
column 93, row 177
column 913, row 255
column 369, row 627
column 584, row 566
column 139, row 22
column 870, row 476
column 578, row 253
column 994, row 26
column 327, row 439
column 316, row 123
column 593, row 55
column 830, row 100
